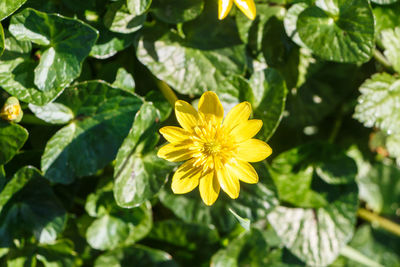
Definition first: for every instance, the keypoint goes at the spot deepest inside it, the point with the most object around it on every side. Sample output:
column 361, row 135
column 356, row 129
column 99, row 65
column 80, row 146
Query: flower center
column 212, row 147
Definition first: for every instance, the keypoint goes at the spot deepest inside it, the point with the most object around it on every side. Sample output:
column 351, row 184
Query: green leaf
column 138, row 7
column 2, row 44
column 2, row 179
column 244, row 222
column 269, row 89
column 194, row 64
column 17, row 73
column 341, row 31
column 141, row 256
column 252, row 248
column 12, row 138
column 25, row 209
column 115, row 226
column 124, row 81
column 59, row 254
column 118, row 19
column 384, row 2
column 290, row 22
column 160, row 103
column 184, row 235
column 67, row 43
column 391, row 43
column 251, row 32
column 322, row 177
column 386, row 17
column 380, row 188
column 120, row 227
column 7, row 7
column 110, row 43
column 102, row 115
column 377, row 245
column 139, row 174
column 54, row 113
column 177, row 11
column 380, row 95
column 303, row 174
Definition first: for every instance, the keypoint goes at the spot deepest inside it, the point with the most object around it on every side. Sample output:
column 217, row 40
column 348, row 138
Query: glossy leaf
column 7, row 7
column 25, row 209
column 110, row 43
column 12, row 138
column 102, row 115
column 2, row 44
column 171, row 58
column 139, row 173
column 54, row 113
column 177, row 11
column 140, row 255
column 252, row 248
column 301, row 174
column 341, row 31
column 384, row 2
column 138, row 7
column 114, row 226
column 67, row 41
column 322, row 178
column 118, row 19
column 269, row 89
column 380, row 95
column 120, row 227
column 17, row 73
column 391, row 40
column 124, row 81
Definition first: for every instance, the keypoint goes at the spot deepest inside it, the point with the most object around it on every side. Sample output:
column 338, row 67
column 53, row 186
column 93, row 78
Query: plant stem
column 335, row 131
column 382, row 222
column 383, row 61
column 166, row 91
column 357, row 256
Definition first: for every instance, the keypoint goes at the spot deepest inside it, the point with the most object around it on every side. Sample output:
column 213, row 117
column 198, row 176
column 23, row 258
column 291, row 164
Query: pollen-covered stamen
column 210, row 142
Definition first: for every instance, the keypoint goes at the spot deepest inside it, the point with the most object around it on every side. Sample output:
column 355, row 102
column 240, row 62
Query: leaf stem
column 166, row 91
column 382, row 222
column 335, row 130
column 383, row 60
column 357, row 256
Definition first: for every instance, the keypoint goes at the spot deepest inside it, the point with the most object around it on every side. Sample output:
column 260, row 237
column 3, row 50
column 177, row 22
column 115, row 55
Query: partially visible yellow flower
column 11, row 111
column 246, row 6
column 217, row 153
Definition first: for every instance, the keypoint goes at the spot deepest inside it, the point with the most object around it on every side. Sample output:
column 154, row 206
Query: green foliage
column 80, row 180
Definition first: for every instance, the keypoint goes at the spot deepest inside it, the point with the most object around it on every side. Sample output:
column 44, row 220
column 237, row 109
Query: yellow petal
column 210, row 106
column 253, row 150
column 247, row 7
column 238, row 114
column 228, row 181
column 174, row 134
column 186, row 178
column 186, row 115
column 175, row 152
column 243, row 171
column 209, row 188
column 224, row 6
column 246, row 130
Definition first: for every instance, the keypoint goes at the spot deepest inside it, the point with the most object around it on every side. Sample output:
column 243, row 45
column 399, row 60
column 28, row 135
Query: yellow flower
column 246, row 6
column 217, row 153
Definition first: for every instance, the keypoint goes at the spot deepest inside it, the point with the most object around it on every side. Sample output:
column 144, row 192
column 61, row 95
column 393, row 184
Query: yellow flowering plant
column 217, row 151
column 246, row 6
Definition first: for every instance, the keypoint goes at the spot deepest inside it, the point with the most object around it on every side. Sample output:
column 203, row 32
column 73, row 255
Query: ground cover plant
column 199, row 133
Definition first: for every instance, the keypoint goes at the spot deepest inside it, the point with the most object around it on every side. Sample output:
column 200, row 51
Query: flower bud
column 11, row 110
